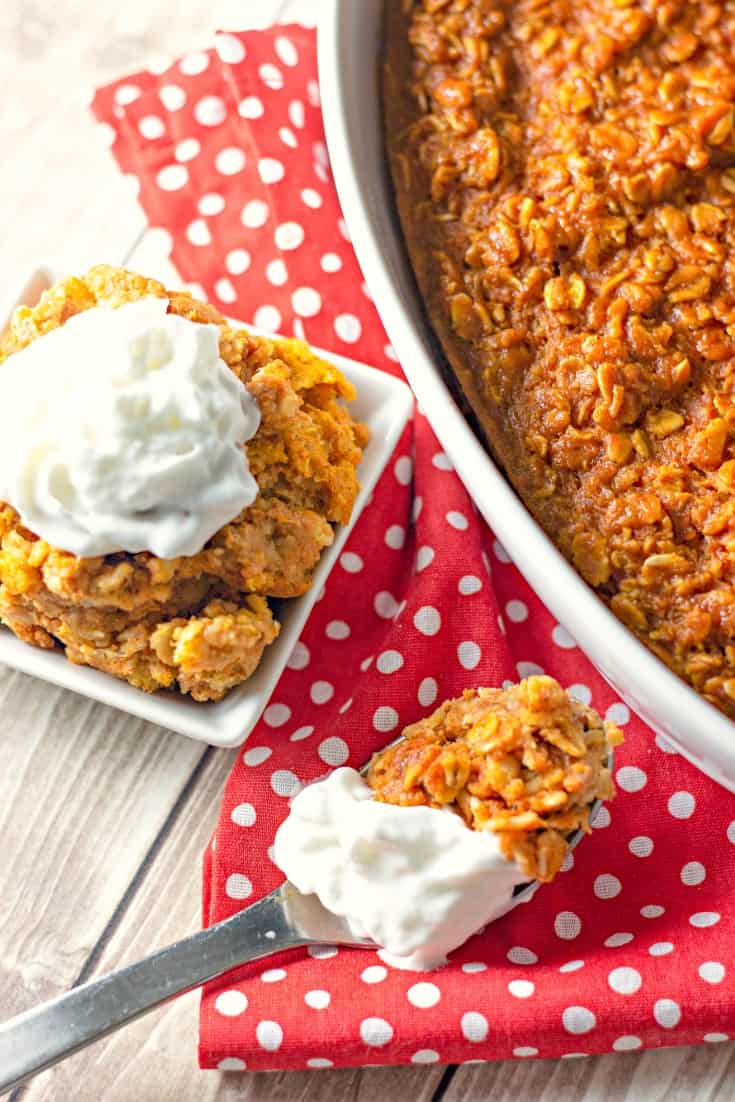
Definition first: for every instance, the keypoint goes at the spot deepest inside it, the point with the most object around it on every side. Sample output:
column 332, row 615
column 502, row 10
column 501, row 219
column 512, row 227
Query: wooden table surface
column 103, row 818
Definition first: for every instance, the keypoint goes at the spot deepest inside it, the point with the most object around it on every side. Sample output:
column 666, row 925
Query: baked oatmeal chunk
column 526, row 762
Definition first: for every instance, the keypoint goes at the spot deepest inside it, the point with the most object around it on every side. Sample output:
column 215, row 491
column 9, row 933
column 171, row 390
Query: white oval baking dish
column 349, row 74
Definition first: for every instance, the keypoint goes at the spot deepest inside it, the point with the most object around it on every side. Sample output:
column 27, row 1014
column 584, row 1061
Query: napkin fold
column 632, row 945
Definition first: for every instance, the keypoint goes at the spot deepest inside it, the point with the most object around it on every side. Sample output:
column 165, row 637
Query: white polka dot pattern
column 631, row 779
column 210, row 111
column 376, row 1032
column 385, row 719
column 424, row 603
column 238, row 886
column 641, row 846
column 607, row 886
column 578, row 1019
column 231, row 1063
column 424, row 557
column 624, row 980
column 627, row 1043
column 254, row 214
column 230, row 161
column 667, row 1013
column 257, row 755
column 237, row 261
column 231, row 1003
column 521, row 989
column 230, row 49
column 427, row 620
column 243, row 814
column 270, row 1035
column 616, row 940
column 693, row 873
column 172, row 97
column 571, row 966
column 423, row 995
column 334, row 750
column 375, row 973
column 712, row 971
column 172, row 177
column 276, row 715
column 474, row 1026
column 520, row 955
column 285, row 783
column 567, row 925
column 251, row 107
column 681, row 805
column 317, row 1000
column 428, row 692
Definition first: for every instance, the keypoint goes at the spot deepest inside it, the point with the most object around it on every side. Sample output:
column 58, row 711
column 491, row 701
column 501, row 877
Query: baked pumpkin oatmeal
column 526, row 763
column 199, row 622
column 565, row 178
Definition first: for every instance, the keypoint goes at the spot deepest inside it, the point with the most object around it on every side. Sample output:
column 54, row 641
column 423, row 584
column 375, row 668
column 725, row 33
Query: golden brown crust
column 525, row 762
column 565, row 178
column 200, row 623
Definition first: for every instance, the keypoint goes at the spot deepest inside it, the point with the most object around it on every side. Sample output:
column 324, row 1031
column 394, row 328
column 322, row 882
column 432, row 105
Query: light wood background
column 103, row 818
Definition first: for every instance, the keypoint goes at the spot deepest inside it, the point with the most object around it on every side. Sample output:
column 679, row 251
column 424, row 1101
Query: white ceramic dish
column 349, row 66
column 385, row 404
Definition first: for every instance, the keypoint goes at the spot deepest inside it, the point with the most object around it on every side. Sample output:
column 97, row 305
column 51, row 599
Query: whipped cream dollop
column 126, row 433
column 415, row 880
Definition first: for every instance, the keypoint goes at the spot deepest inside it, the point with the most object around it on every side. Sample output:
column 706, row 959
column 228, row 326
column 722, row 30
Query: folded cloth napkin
column 631, row 947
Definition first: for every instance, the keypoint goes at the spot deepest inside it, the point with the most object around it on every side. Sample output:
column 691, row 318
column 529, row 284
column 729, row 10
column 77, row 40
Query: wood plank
column 705, row 1071
column 84, row 790
column 160, row 1049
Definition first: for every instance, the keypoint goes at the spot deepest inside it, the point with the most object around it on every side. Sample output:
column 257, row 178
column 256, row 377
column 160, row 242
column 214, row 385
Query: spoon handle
column 46, row 1034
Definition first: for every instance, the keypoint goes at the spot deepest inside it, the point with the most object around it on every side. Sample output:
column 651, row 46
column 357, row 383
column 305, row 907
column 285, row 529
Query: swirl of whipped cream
column 126, row 433
column 415, row 880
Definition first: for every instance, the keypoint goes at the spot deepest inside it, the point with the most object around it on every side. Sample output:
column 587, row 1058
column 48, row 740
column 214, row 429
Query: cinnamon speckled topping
column 565, row 173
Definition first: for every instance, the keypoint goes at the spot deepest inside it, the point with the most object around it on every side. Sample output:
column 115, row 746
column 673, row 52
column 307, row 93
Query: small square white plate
column 385, row 404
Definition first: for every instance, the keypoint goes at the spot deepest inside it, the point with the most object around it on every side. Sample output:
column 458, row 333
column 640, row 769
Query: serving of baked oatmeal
column 565, row 178
column 197, row 623
column 526, row 763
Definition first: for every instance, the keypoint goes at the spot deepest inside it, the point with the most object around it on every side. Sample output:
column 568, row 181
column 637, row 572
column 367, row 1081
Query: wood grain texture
column 103, row 818
column 84, row 790
column 676, row 1074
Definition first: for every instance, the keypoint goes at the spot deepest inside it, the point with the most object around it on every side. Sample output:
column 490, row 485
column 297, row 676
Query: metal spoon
column 284, row 919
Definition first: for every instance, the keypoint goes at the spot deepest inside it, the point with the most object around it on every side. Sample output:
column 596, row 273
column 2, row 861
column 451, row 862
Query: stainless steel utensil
column 284, row 919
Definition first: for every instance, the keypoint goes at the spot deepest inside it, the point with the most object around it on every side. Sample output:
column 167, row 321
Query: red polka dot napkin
column 631, row 947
